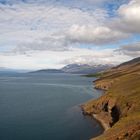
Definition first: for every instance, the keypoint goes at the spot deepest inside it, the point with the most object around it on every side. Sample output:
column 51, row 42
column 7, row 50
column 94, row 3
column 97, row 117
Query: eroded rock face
column 106, row 109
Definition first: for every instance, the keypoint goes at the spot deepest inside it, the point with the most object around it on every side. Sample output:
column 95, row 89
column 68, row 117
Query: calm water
column 46, row 107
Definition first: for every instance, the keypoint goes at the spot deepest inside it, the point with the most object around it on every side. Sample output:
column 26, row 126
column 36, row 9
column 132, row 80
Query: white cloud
column 46, row 36
column 129, row 17
column 130, row 49
column 50, row 43
column 116, row 29
column 96, row 35
column 58, row 59
column 31, row 23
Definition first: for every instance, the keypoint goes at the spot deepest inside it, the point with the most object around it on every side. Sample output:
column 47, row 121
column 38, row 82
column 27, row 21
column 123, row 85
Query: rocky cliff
column 119, row 108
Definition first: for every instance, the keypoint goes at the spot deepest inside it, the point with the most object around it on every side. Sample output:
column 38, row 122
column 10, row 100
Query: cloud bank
column 39, row 34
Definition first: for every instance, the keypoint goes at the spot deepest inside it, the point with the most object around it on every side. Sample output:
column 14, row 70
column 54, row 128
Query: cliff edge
column 119, row 108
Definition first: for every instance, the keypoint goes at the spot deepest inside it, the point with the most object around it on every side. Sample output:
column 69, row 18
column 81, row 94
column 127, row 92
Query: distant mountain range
column 76, row 69
column 48, row 71
column 84, row 68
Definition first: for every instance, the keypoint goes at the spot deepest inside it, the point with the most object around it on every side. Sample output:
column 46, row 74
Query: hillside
column 119, row 108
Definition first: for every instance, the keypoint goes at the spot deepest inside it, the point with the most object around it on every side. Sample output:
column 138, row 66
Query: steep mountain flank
column 119, row 108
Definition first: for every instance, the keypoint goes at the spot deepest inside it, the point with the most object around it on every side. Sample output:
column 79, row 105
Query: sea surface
column 46, row 107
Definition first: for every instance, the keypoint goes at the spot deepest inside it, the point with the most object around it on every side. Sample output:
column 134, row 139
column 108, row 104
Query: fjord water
column 46, row 107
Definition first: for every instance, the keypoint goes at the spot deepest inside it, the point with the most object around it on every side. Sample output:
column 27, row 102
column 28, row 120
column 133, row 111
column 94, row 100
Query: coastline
column 101, row 121
column 101, row 118
column 117, row 109
column 97, row 117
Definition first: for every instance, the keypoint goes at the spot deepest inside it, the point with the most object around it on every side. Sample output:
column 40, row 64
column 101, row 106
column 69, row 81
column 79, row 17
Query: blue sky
column 37, row 34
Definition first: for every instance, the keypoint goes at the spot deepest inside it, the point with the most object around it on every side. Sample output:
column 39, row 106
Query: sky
column 41, row 34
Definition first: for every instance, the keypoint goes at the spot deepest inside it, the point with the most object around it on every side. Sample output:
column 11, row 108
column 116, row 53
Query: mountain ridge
column 76, row 69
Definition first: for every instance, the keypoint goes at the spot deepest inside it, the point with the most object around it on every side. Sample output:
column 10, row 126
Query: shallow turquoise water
column 46, row 107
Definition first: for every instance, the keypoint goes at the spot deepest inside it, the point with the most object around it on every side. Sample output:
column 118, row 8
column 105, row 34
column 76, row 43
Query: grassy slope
column 123, row 86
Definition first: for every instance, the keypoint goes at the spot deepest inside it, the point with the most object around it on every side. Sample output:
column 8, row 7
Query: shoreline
column 101, row 121
column 97, row 117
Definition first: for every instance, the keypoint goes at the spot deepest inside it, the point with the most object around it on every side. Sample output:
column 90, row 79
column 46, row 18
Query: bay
column 46, row 107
